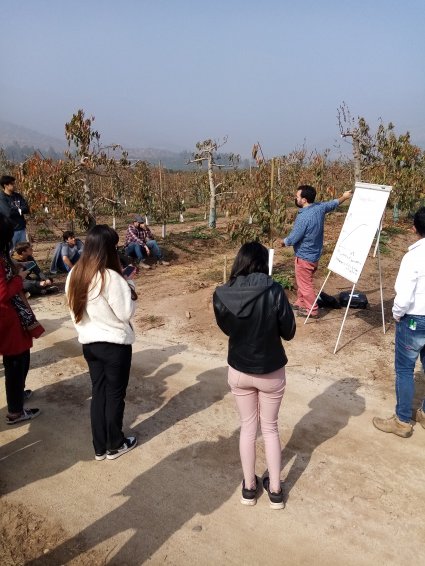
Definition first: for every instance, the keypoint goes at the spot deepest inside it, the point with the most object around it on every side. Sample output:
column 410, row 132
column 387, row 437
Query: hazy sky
column 167, row 73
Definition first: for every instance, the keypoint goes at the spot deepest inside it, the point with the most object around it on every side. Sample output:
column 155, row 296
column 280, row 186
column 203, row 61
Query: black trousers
column 109, row 367
column 15, row 372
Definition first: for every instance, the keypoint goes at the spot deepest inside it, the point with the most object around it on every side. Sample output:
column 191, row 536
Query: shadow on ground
column 329, row 413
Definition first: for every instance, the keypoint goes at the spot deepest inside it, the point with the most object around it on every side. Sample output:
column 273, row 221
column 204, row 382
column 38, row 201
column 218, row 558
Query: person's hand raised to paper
column 346, row 195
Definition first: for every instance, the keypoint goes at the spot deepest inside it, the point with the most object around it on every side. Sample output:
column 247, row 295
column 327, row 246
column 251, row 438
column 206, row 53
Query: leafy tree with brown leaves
column 91, row 159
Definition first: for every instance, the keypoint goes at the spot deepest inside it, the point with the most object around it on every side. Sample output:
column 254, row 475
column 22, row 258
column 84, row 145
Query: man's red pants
column 304, row 272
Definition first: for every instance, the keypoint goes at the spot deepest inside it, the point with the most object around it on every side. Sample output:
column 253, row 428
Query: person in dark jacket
column 13, row 206
column 254, row 312
column 36, row 282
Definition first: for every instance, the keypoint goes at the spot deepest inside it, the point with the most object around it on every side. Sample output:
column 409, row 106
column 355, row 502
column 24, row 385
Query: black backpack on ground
column 326, row 301
column 358, row 301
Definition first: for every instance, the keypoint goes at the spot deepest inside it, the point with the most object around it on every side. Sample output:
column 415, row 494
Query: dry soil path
column 355, row 495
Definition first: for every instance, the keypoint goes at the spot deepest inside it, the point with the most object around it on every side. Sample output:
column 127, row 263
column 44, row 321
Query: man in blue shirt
column 66, row 253
column 307, row 239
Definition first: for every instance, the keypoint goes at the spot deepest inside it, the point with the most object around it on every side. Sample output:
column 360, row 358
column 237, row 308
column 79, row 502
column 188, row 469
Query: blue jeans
column 61, row 265
column 154, row 248
column 19, row 236
column 409, row 345
column 136, row 249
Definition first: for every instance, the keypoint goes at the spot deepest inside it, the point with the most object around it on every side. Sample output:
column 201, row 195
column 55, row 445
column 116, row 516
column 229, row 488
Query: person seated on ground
column 35, row 283
column 139, row 241
column 67, row 253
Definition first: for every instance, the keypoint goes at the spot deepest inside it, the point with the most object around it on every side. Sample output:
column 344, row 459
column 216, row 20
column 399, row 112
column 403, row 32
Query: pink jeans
column 304, row 272
column 258, row 398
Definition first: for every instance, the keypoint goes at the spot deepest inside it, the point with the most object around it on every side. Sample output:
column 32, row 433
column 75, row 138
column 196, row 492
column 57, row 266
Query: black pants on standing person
column 15, row 372
column 109, row 367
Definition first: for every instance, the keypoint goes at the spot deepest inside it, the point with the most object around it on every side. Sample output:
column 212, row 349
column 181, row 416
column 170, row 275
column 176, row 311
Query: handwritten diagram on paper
column 360, row 226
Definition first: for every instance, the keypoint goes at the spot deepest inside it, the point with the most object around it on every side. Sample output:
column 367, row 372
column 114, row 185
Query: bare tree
column 358, row 131
column 207, row 152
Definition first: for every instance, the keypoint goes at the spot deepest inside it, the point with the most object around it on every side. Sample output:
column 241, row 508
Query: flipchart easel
column 362, row 224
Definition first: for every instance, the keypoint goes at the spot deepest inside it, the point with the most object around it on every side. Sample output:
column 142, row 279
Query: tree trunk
column 88, row 197
column 164, row 229
column 213, row 215
column 357, row 159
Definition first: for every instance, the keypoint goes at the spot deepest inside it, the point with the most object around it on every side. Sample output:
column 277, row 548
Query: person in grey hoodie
column 254, row 312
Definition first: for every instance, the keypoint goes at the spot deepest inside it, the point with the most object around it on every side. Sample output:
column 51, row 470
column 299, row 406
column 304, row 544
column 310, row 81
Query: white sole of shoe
column 100, row 457
column 249, row 502
column 280, row 505
column 121, row 452
column 23, row 420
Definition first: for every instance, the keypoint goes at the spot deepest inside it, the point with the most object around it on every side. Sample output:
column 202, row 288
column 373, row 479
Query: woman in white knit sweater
column 102, row 303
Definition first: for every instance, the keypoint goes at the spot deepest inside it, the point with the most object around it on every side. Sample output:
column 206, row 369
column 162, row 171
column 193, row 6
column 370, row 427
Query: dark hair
column 100, row 253
column 253, row 257
column 68, row 234
column 7, row 180
column 307, row 192
column 22, row 247
column 6, row 235
column 419, row 221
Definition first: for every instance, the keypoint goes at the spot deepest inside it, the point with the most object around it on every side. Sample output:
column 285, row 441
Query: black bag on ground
column 325, row 301
column 358, row 301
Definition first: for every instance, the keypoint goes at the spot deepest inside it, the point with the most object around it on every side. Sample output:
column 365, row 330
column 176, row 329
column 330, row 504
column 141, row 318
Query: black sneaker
column 99, row 456
column 249, row 496
column 52, row 289
column 276, row 499
column 128, row 444
column 303, row 313
column 26, row 415
column 27, row 394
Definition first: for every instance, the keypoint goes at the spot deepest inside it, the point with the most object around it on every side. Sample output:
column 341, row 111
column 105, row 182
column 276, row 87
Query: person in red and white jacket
column 18, row 327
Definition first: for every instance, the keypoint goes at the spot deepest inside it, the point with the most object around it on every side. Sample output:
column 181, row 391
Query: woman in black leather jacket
column 254, row 312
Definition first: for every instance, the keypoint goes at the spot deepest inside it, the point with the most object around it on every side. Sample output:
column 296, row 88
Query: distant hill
column 168, row 159
column 12, row 134
column 19, row 142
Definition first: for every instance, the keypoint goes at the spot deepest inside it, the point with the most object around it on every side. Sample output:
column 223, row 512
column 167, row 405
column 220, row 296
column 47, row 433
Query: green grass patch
column 215, row 275
column 383, row 244
column 200, row 234
column 393, row 230
column 284, row 279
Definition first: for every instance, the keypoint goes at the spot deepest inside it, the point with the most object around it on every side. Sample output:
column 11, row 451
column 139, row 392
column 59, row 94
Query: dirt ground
column 353, row 494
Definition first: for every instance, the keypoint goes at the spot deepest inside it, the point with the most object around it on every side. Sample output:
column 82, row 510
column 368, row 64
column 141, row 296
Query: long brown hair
column 100, row 253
